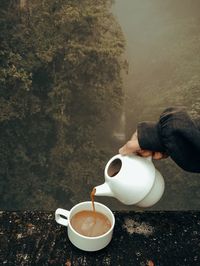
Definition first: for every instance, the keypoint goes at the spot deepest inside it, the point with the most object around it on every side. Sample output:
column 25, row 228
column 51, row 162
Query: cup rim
column 91, row 237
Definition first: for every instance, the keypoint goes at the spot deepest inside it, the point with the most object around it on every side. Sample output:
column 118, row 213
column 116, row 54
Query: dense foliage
column 60, row 81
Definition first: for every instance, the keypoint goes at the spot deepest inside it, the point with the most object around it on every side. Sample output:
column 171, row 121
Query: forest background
column 72, row 91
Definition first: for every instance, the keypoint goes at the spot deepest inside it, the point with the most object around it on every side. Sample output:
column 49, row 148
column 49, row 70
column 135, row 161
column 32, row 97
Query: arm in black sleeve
column 175, row 134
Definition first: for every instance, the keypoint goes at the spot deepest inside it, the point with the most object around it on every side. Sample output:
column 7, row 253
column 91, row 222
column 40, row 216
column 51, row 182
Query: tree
column 60, row 81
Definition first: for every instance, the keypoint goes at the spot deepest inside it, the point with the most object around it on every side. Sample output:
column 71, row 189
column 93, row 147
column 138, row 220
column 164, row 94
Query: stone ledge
column 140, row 238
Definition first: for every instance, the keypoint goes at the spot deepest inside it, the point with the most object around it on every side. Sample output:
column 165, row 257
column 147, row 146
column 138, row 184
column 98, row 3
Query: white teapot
column 132, row 180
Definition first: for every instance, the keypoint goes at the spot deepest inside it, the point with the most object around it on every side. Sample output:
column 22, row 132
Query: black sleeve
column 175, row 134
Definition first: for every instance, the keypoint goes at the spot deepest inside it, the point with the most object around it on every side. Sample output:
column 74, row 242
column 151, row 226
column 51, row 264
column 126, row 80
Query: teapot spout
column 103, row 190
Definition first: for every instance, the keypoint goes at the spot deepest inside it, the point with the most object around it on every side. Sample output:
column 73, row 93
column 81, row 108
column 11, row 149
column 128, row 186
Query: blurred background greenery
column 75, row 79
column 163, row 53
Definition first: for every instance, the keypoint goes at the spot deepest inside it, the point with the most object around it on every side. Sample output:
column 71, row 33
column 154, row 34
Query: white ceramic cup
column 80, row 241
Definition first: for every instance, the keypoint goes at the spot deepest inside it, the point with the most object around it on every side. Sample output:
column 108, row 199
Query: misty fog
column 163, row 54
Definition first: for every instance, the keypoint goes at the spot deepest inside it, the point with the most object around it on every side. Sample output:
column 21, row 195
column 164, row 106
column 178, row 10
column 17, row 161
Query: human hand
column 132, row 146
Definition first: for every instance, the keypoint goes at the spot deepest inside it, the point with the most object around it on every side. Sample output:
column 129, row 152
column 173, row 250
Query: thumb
column 131, row 146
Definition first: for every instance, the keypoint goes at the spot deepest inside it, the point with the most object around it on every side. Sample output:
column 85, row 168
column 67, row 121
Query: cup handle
column 60, row 219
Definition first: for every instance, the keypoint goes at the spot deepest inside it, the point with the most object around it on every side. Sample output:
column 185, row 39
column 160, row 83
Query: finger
column 144, row 153
column 130, row 147
column 158, row 155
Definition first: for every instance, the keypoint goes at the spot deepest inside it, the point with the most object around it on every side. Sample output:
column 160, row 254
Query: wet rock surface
column 140, row 238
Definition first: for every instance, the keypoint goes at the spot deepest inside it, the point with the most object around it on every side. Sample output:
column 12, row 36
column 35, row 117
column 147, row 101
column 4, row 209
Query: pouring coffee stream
column 132, row 180
column 92, row 194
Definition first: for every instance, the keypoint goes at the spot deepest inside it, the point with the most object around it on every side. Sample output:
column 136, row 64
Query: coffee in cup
column 90, row 223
